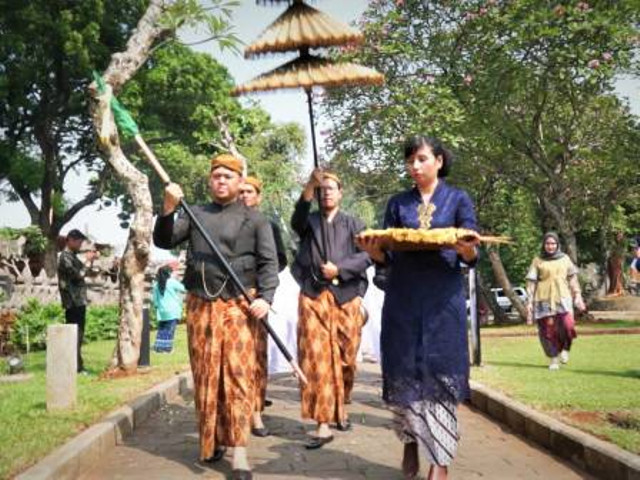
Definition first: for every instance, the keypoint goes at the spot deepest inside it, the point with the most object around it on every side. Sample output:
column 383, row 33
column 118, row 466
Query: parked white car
column 503, row 300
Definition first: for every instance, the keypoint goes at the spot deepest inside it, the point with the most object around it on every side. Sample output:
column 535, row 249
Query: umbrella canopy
column 302, row 26
column 308, row 71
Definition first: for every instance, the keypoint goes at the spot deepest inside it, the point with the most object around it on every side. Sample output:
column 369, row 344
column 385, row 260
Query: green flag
column 123, row 118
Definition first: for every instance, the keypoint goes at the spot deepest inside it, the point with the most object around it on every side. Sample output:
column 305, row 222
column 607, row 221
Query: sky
column 283, row 106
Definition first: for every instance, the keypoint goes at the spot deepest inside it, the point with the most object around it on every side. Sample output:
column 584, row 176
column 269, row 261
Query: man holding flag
column 220, row 322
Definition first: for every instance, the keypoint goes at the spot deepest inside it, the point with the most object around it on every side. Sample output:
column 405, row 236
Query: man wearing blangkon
column 332, row 278
column 220, row 322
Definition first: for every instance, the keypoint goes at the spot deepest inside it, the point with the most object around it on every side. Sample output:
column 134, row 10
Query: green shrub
column 102, row 323
column 36, row 242
column 30, row 328
column 33, row 318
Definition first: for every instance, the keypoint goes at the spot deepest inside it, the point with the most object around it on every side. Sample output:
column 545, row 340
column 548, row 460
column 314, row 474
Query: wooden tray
column 406, row 239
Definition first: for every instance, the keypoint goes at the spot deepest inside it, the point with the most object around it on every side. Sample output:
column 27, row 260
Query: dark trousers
column 77, row 316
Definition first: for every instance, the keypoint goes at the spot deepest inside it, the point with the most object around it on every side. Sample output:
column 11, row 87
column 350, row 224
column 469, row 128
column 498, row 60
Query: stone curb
column 599, row 458
column 83, row 451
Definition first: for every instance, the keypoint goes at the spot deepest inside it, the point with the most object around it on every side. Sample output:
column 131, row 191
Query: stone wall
column 101, row 291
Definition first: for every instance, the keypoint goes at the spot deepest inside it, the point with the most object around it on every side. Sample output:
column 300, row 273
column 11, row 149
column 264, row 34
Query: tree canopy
column 47, row 52
column 178, row 98
column 521, row 90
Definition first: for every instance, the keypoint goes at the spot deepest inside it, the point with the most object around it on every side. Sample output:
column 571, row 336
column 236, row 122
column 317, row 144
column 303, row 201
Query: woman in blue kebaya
column 425, row 359
column 167, row 296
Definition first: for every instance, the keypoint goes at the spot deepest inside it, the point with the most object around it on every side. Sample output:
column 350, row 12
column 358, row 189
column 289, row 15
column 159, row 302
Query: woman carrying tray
column 425, row 359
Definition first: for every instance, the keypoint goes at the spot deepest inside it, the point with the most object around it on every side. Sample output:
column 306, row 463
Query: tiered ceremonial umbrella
column 301, row 28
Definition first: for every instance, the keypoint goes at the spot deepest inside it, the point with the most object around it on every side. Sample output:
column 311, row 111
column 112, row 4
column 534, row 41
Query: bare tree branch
column 125, row 64
column 26, row 198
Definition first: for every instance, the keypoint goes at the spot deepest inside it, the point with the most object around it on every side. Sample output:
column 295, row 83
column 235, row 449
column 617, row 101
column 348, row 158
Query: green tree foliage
column 47, row 51
column 178, row 99
column 273, row 156
column 35, row 242
column 521, row 90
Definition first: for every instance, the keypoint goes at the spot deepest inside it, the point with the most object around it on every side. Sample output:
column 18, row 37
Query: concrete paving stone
column 339, row 474
column 166, row 445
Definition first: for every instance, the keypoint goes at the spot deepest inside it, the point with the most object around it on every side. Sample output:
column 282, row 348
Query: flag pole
column 125, row 122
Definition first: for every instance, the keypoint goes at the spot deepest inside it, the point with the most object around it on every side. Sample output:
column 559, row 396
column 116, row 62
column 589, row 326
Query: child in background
column 166, row 295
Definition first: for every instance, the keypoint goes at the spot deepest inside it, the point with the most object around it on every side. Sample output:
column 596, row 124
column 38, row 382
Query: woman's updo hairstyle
column 416, row 142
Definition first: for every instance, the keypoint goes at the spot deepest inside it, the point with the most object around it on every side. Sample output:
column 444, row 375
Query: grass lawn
column 29, row 432
column 522, row 329
column 598, row 391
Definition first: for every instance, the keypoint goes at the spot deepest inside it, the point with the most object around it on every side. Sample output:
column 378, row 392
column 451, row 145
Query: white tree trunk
column 122, row 67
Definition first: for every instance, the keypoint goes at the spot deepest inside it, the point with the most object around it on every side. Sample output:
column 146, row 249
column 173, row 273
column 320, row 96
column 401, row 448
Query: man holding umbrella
column 331, row 272
column 220, row 321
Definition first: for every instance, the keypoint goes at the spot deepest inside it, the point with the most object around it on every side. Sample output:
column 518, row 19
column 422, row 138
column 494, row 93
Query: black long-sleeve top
column 280, row 248
column 243, row 235
column 342, row 251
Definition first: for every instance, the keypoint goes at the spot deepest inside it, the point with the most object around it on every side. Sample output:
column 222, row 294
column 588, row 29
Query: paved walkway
column 166, row 446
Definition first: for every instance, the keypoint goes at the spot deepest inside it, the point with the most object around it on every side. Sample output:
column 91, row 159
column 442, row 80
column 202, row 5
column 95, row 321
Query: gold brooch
column 425, row 215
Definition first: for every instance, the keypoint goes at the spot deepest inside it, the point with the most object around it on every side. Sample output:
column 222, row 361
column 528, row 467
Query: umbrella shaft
column 323, row 235
column 313, row 128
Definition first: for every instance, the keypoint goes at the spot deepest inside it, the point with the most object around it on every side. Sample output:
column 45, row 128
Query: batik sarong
column 261, row 345
column 164, row 336
column 433, row 425
column 328, row 341
column 222, row 354
column 556, row 333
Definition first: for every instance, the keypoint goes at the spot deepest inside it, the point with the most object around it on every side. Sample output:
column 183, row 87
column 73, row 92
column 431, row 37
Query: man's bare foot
column 410, row 461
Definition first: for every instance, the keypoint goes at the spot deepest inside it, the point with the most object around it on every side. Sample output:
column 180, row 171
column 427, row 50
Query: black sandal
column 260, row 432
column 345, row 426
column 218, row 453
column 316, row 442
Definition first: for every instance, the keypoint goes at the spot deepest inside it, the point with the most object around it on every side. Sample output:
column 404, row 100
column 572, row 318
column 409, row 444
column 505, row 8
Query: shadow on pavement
column 326, row 462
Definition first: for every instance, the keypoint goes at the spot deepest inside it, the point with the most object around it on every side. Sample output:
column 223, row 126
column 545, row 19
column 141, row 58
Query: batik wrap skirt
column 433, row 425
column 222, row 355
column 261, row 343
column 164, row 335
column 556, row 333
column 328, row 340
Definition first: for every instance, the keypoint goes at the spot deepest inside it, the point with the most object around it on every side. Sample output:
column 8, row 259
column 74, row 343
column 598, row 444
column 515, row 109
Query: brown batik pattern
column 328, row 341
column 261, row 344
column 222, row 354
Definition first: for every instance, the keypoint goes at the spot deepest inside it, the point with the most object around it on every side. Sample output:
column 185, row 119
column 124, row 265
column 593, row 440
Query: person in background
column 167, row 294
column 332, row 285
column 425, row 354
column 72, row 285
column 553, row 289
column 634, row 271
column 251, row 196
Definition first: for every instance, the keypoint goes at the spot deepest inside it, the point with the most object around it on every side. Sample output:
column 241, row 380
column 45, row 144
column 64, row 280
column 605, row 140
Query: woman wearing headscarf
column 553, row 288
